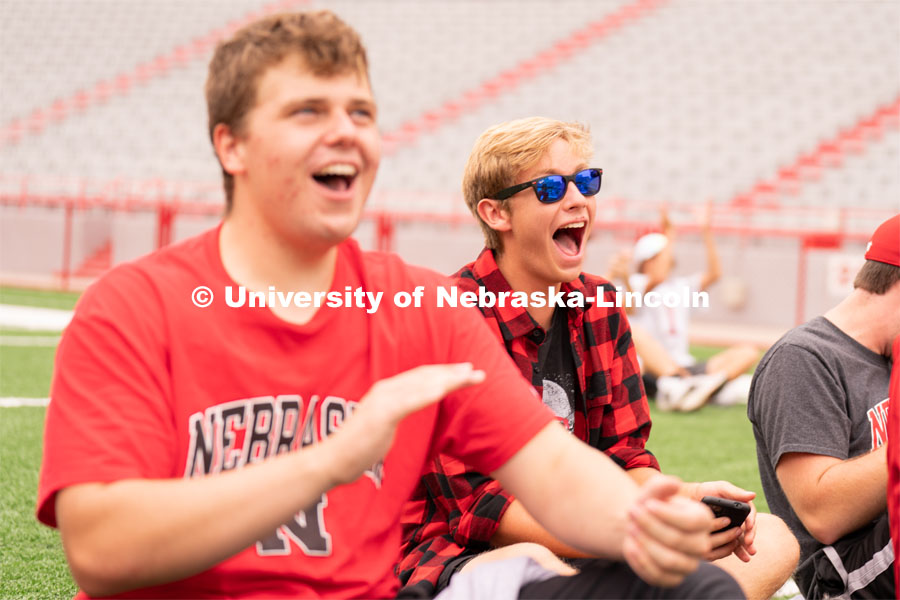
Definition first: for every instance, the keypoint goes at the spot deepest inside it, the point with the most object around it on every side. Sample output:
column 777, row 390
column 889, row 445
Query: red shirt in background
column 893, row 458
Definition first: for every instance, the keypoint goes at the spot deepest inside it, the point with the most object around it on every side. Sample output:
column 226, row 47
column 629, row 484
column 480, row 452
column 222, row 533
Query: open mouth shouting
column 337, row 177
column 569, row 238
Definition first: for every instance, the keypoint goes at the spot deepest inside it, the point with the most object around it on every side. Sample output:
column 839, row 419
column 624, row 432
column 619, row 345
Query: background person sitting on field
column 670, row 372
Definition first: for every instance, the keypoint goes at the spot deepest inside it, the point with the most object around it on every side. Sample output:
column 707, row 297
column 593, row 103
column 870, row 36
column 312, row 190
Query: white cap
column 649, row 246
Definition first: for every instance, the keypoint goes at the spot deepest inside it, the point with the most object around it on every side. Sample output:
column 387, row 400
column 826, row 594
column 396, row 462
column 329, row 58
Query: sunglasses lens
column 588, row 181
column 550, row 189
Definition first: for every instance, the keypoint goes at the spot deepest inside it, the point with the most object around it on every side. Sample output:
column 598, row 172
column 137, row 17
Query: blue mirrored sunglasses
column 552, row 188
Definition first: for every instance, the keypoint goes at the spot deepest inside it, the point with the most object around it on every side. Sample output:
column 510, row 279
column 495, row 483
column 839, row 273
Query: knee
column 748, row 353
column 535, row 551
column 542, row 556
column 530, row 549
column 774, row 536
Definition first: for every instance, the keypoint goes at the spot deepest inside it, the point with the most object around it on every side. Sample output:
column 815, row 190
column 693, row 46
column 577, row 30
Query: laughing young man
column 531, row 186
column 236, row 452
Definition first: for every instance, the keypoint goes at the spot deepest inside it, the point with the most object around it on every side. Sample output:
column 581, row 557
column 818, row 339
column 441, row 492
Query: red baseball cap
column 885, row 243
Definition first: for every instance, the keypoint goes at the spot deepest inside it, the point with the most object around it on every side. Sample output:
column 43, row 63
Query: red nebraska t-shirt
column 148, row 385
column 893, row 451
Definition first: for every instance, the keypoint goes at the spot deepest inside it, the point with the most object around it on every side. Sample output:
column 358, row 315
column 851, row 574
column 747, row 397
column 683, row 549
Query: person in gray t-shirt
column 819, row 406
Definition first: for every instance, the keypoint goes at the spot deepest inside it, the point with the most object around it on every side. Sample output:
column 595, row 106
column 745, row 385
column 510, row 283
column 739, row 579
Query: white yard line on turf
column 44, row 341
column 17, row 402
column 34, row 318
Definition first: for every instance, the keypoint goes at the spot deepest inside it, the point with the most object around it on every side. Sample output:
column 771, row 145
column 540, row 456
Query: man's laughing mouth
column 337, row 177
column 568, row 238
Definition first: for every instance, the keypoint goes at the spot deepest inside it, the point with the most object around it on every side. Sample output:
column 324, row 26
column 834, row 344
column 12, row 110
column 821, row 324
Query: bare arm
column 834, row 497
column 665, row 223
column 662, row 536
column 654, row 275
column 552, row 456
column 713, row 265
column 517, row 526
column 642, row 474
column 134, row 533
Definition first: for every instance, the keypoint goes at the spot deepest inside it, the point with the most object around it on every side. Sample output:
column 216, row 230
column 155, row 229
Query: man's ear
column 494, row 214
column 229, row 149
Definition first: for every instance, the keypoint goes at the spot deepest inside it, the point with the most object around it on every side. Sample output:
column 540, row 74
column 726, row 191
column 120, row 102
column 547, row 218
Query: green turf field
column 32, row 564
column 25, row 371
column 713, row 443
column 44, row 299
column 31, row 558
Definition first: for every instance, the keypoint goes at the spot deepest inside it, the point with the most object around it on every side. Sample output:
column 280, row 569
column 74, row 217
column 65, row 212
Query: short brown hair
column 876, row 277
column 325, row 44
column 504, row 151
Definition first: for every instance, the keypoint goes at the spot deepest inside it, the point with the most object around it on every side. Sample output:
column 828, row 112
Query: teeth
column 340, row 169
column 577, row 225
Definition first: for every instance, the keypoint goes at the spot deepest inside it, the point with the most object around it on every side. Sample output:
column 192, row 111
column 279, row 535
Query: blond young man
column 531, row 185
column 199, row 450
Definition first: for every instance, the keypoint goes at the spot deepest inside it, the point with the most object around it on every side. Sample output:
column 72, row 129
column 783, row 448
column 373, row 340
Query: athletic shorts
column 598, row 578
column 859, row 565
column 522, row 577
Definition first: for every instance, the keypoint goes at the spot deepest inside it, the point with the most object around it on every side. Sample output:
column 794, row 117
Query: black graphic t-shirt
column 556, row 367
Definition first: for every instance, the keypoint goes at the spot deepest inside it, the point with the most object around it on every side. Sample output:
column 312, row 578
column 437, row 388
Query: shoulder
column 800, row 357
column 595, row 285
column 603, row 292
column 481, row 272
column 466, row 278
column 187, row 259
column 604, row 318
column 810, row 341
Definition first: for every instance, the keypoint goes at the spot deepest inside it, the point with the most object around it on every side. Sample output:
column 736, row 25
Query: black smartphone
column 734, row 510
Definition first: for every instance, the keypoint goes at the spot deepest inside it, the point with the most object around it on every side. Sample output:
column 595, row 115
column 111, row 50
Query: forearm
column 713, row 265
column 135, row 533
column 640, row 475
column 517, row 525
column 834, row 497
column 853, row 493
column 590, row 485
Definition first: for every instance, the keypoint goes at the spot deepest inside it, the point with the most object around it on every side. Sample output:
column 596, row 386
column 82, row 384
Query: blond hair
column 505, row 151
column 325, row 44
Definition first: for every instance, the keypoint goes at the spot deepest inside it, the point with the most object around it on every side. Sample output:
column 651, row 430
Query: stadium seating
column 688, row 101
column 785, row 115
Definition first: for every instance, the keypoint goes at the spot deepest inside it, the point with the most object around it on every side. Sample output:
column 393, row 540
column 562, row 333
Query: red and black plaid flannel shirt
column 455, row 511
